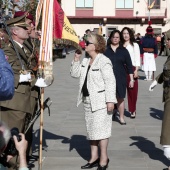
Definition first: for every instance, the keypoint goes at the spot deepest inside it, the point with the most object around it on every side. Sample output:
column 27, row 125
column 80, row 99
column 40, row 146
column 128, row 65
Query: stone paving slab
column 131, row 147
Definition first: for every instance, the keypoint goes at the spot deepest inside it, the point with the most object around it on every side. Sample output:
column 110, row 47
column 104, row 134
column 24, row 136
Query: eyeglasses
column 87, row 43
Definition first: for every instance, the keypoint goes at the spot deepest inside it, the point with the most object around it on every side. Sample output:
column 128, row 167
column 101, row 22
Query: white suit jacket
column 101, row 82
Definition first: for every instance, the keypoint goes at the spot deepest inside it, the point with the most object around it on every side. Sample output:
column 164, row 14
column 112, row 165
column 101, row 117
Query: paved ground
column 131, row 147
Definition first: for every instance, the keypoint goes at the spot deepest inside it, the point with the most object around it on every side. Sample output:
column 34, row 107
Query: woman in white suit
column 97, row 90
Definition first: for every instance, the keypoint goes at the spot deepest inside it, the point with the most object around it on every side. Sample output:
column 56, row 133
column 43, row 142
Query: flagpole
column 41, row 70
column 149, row 18
column 41, row 128
column 38, row 13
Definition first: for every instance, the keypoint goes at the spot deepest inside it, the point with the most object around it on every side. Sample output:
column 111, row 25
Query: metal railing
column 156, row 12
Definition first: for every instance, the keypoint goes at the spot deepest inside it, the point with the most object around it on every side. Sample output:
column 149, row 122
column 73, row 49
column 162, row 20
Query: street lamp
column 142, row 21
column 104, row 26
column 104, row 21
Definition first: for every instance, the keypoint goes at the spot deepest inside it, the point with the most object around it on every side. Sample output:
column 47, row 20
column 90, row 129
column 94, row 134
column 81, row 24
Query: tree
column 30, row 6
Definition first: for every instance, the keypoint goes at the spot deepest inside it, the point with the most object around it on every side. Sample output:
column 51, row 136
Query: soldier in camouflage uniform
column 164, row 78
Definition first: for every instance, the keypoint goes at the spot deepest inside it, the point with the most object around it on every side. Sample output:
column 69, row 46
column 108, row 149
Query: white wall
column 168, row 13
column 104, row 7
column 69, row 7
column 140, row 7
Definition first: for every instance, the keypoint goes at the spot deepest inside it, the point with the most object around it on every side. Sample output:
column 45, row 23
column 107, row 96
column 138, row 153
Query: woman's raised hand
column 77, row 56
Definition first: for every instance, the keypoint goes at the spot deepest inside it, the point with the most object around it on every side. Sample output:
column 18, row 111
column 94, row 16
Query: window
column 84, row 3
column 109, row 30
column 156, row 4
column 124, row 3
column 157, row 31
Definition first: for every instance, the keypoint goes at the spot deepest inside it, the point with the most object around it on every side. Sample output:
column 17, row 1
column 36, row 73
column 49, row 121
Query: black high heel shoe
column 91, row 165
column 114, row 114
column 122, row 122
column 103, row 167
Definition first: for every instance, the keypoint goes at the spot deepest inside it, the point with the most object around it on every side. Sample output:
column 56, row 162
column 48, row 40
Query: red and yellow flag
column 62, row 29
column 151, row 6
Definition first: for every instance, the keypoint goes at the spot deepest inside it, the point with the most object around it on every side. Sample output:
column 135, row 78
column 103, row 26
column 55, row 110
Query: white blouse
column 134, row 52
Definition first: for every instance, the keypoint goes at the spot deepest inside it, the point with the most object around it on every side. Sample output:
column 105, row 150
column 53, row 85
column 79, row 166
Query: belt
column 149, row 50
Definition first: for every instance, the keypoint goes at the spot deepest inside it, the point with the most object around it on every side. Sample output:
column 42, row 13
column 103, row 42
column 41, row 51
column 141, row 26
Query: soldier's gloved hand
column 166, row 149
column 40, row 83
column 25, row 77
column 154, row 83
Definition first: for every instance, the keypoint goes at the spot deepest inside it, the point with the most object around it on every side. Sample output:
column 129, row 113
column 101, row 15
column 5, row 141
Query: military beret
column 24, row 13
column 149, row 30
column 19, row 21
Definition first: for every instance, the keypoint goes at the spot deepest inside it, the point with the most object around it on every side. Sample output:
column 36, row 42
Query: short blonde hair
column 99, row 42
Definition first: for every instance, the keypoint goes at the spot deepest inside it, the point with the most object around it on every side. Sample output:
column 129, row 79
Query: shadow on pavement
column 156, row 113
column 77, row 142
column 81, row 145
column 149, row 148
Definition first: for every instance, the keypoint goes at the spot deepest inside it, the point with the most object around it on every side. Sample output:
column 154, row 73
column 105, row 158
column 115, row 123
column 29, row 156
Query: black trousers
column 162, row 49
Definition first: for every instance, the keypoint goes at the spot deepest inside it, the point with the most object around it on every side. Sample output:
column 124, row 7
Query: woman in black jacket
column 121, row 61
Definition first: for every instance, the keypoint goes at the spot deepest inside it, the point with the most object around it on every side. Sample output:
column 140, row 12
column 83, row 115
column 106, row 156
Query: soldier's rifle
column 47, row 103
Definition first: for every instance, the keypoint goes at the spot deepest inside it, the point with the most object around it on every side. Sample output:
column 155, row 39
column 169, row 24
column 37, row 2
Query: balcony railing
column 156, row 12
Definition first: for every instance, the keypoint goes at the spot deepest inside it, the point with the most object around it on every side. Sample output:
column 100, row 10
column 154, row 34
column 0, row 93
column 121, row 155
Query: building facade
column 116, row 14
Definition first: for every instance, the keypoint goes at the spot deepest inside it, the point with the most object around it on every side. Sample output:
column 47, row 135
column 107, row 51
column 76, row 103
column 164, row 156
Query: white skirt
column 98, row 123
column 149, row 62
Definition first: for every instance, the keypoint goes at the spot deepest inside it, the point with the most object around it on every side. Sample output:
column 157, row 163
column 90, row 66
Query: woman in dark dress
column 121, row 61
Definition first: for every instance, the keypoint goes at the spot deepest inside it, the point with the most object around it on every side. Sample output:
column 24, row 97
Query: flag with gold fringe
column 45, row 55
column 62, row 29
